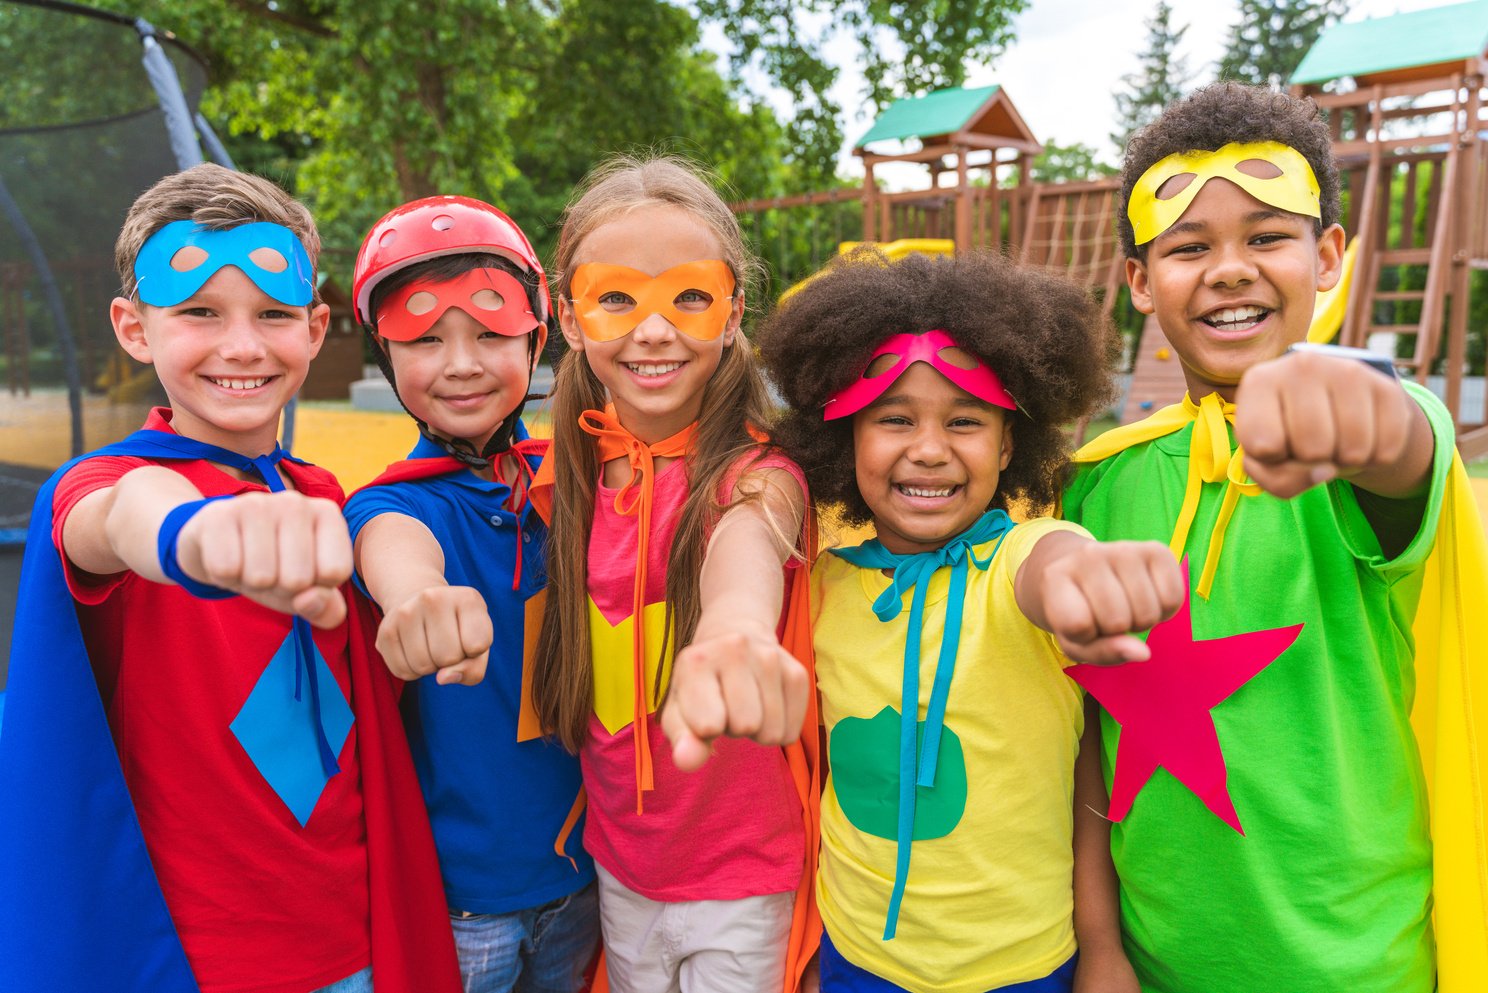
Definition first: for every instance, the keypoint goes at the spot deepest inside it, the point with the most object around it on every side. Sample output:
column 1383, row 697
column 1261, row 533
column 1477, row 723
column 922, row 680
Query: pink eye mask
column 980, row 381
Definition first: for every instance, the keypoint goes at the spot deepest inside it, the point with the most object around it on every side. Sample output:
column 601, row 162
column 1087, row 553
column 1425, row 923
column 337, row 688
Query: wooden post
column 1469, row 211
column 1438, row 275
column 1366, row 268
column 1020, row 200
column 963, row 203
column 870, row 205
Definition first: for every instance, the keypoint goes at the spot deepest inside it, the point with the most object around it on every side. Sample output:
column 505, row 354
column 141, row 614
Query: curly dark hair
column 1213, row 117
column 1044, row 336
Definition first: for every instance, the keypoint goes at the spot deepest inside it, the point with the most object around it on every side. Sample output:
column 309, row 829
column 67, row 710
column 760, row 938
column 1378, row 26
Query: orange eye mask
column 496, row 299
column 644, row 295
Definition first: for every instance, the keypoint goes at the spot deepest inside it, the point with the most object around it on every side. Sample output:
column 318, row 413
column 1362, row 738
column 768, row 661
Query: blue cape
column 82, row 908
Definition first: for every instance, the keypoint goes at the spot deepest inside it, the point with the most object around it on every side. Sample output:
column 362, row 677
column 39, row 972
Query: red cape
column 413, row 948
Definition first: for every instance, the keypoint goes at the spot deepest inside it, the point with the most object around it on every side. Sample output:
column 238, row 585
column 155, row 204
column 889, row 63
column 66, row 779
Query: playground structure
column 1411, row 143
column 1404, row 96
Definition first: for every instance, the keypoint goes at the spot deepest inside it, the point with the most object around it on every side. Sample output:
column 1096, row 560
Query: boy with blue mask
column 219, row 792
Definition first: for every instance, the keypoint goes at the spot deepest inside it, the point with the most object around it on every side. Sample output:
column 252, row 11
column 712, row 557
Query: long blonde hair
column 733, row 400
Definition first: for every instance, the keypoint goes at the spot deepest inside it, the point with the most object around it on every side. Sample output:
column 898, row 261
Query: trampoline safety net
column 82, row 134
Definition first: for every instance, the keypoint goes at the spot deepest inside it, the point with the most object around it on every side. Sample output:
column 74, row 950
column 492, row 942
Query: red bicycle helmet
column 435, row 226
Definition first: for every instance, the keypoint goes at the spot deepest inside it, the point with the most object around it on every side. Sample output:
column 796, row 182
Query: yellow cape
column 1451, row 709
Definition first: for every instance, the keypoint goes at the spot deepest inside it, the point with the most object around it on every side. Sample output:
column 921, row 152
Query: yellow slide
column 892, row 249
column 1327, row 313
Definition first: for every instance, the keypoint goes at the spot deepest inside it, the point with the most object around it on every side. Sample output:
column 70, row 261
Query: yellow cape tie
column 1210, row 460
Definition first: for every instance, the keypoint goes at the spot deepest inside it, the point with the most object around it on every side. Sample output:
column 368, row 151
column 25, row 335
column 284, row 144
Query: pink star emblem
column 1163, row 706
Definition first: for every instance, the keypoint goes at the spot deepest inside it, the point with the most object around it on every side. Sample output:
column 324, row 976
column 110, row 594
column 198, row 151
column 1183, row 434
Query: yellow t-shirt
column 989, row 899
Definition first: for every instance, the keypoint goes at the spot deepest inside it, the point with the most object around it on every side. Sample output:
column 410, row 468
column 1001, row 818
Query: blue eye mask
column 175, row 261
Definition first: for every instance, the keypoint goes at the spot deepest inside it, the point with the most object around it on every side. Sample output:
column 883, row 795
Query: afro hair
column 1046, row 339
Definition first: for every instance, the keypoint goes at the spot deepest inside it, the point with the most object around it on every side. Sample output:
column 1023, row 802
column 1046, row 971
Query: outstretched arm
column 428, row 626
column 1305, row 419
column 735, row 678
column 1092, row 594
column 287, row 551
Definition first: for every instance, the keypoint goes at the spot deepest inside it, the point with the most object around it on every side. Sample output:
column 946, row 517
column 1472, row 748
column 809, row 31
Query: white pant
column 697, row 946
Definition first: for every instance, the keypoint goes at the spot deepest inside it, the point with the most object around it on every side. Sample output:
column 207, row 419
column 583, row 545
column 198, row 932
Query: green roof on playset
column 1382, row 44
column 938, row 112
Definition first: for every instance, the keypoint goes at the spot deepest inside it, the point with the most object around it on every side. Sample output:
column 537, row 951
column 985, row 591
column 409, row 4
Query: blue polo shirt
column 496, row 804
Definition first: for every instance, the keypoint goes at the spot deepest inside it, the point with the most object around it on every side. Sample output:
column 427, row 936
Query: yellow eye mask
column 1291, row 185
column 610, row 300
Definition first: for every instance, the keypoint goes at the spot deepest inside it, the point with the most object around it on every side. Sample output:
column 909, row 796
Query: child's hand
column 1105, row 972
column 287, row 551
column 440, row 629
column 1092, row 594
column 740, row 684
column 1304, row 419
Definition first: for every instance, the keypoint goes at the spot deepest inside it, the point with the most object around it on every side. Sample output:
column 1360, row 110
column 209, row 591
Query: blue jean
column 838, row 975
column 542, row 949
column 357, row 982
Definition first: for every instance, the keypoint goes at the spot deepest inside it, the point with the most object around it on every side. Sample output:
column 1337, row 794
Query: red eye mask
column 496, row 299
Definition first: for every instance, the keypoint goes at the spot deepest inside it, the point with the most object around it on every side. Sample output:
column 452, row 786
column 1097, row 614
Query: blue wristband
column 165, row 546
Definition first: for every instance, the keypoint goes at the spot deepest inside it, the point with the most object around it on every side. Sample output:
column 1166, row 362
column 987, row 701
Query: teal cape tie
column 912, row 573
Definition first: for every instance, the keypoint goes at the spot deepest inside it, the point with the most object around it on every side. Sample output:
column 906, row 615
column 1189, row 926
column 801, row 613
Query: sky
column 1066, row 61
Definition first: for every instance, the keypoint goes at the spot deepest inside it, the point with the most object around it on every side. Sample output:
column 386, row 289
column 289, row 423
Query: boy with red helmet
column 457, row 305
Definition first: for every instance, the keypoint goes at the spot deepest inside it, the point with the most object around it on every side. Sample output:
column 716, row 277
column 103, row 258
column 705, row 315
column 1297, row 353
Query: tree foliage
column 1158, row 82
column 1270, row 38
column 358, row 105
column 905, row 47
column 1069, row 164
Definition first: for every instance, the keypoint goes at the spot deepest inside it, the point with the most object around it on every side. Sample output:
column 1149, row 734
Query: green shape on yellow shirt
column 864, row 758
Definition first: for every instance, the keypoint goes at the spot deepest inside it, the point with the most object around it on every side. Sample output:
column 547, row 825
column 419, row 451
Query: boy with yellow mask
column 1304, row 489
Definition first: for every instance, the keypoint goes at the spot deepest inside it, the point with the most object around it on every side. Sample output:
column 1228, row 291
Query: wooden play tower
column 1405, row 98
column 976, row 139
column 1409, row 134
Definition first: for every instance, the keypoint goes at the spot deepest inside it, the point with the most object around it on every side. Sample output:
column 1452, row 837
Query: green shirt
column 1329, row 889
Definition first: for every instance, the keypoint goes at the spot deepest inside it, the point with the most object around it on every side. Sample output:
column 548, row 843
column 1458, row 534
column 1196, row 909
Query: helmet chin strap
column 459, row 448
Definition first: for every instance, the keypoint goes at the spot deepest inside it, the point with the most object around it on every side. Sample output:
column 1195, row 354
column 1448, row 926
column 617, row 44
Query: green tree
column 906, row 48
column 1269, row 40
column 628, row 76
column 1069, row 164
column 1160, row 80
column 358, row 105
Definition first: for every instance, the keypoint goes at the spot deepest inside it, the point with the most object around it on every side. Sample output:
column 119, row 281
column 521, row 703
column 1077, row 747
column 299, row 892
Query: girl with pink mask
column 926, row 398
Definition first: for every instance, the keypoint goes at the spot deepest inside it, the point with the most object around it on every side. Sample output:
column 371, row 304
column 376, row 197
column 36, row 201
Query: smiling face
column 229, row 357
column 655, row 374
column 928, row 457
column 462, row 379
column 1233, row 283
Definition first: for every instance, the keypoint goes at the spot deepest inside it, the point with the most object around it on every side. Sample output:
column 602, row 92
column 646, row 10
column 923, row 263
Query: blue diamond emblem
column 278, row 731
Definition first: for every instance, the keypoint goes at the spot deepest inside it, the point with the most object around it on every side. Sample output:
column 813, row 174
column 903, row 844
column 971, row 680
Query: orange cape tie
column 615, row 442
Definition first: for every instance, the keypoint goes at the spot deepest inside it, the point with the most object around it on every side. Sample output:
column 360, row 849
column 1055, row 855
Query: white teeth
column 652, row 368
column 920, row 491
column 241, row 384
column 1237, row 315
